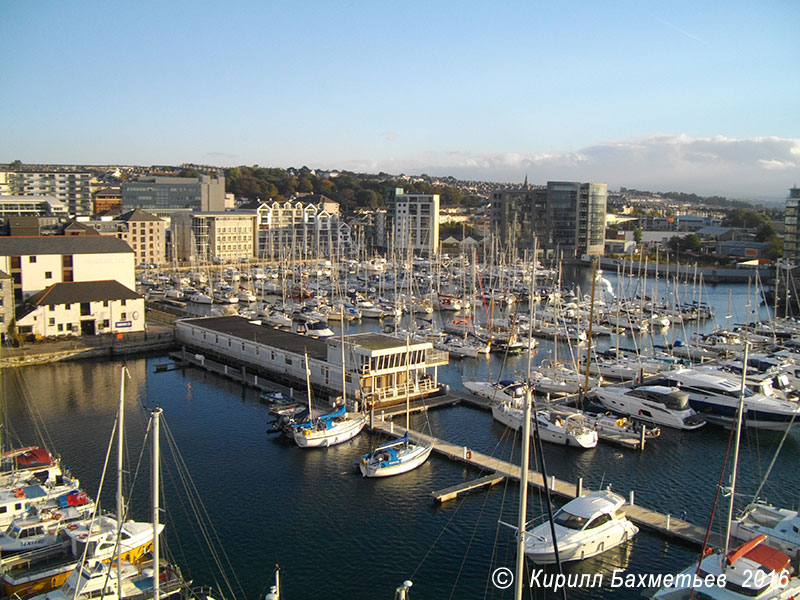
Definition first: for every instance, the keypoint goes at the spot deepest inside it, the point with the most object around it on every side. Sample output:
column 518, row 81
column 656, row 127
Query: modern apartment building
column 70, row 187
column 791, row 235
column 563, row 217
column 412, row 221
column 163, row 196
column 300, row 229
column 214, row 236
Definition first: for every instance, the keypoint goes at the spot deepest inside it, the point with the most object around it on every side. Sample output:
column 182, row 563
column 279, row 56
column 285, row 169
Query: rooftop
column 57, row 244
column 82, row 291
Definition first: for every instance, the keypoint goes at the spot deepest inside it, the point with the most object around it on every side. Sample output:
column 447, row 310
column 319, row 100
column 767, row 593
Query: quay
column 665, row 525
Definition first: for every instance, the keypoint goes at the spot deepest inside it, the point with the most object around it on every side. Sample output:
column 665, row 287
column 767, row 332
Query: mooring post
column 579, row 488
column 630, row 498
column 667, row 521
column 552, row 482
column 641, row 437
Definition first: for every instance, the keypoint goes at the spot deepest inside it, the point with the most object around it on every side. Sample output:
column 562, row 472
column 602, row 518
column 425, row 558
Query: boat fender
column 469, row 454
column 72, row 527
column 19, row 493
column 56, row 516
column 83, row 536
column 307, row 433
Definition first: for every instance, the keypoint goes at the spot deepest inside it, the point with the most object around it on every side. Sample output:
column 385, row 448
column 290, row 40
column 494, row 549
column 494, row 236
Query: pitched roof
column 137, row 215
column 58, row 244
column 82, row 291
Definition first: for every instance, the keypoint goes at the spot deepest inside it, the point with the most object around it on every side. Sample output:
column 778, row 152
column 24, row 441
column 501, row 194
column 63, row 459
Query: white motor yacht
column 504, row 390
column 584, row 527
column 662, row 405
column 717, row 397
column 780, row 525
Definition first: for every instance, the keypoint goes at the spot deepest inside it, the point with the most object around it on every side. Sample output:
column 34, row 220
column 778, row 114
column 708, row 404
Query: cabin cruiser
column 752, row 570
column 96, row 538
column 780, row 525
column 662, row 405
column 717, row 397
column 44, row 528
column 584, row 527
column 17, row 501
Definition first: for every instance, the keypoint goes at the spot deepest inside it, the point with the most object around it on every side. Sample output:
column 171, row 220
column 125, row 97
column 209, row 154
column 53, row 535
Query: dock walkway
column 665, row 525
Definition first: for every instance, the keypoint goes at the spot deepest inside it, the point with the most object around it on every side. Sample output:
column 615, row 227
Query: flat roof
column 284, row 340
column 377, row 341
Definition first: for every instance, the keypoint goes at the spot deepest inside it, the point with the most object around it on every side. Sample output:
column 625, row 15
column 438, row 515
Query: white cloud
column 738, row 168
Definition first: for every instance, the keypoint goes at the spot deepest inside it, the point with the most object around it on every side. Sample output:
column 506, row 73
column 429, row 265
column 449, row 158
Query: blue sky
column 692, row 96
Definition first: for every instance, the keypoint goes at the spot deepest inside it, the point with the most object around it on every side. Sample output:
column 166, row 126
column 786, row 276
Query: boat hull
column 338, row 434
column 411, row 461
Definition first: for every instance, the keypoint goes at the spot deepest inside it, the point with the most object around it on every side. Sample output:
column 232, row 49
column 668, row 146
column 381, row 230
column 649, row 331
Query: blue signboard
column 119, row 324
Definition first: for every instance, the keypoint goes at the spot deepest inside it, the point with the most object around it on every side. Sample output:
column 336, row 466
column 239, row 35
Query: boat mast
column 344, row 376
column 739, row 418
column 523, row 496
column 156, row 485
column 120, row 503
column 408, row 391
column 308, row 385
column 589, row 336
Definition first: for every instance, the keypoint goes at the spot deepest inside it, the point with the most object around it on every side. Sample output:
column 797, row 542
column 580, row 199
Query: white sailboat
column 398, row 456
column 328, row 430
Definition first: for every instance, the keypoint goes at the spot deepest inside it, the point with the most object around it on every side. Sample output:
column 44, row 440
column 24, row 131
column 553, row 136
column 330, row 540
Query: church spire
column 525, row 185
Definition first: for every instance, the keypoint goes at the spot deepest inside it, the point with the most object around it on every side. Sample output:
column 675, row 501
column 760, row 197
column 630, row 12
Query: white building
column 413, row 221
column 31, row 206
column 82, row 308
column 376, row 372
column 36, row 263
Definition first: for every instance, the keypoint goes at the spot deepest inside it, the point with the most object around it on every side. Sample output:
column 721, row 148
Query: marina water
column 337, row 535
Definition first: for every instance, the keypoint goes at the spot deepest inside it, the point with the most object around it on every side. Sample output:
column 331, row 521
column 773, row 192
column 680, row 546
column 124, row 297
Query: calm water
column 335, row 534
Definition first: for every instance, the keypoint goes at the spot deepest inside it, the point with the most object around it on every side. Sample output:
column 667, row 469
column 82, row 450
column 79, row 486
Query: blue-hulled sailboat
column 393, row 458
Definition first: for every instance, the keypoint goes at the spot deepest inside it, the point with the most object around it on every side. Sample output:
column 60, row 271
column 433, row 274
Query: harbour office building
column 163, row 196
column 566, row 218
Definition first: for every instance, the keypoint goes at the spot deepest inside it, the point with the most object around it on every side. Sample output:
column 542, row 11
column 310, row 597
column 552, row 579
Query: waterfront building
column 36, row 263
column 107, row 199
column 305, row 228
column 412, row 221
column 791, row 236
column 376, row 372
column 81, row 308
column 214, row 236
column 163, row 196
column 70, row 187
column 31, row 206
column 565, row 217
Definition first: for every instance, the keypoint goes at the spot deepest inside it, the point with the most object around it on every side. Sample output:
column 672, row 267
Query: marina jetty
column 687, row 272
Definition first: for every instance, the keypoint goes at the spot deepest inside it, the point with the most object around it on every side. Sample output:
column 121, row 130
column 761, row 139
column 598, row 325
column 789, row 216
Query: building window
column 105, row 324
column 31, row 259
column 48, row 274
column 86, row 309
column 123, row 316
column 67, row 306
column 105, row 303
column 123, row 303
column 51, row 321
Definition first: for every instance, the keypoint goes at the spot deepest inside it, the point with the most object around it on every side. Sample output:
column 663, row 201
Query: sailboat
column 331, row 429
column 398, row 456
column 752, row 570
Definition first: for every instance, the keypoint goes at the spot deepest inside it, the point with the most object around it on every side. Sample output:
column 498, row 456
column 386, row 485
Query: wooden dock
column 663, row 524
column 452, row 492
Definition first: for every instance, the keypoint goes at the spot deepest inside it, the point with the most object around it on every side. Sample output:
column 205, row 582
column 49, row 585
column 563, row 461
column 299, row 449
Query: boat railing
column 424, row 386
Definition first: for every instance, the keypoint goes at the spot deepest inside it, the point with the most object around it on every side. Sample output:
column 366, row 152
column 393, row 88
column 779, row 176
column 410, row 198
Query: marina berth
column 780, row 525
column 584, row 527
column 46, row 527
column 25, row 462
column 328, row 430
column 17, row 501
column 394, row 458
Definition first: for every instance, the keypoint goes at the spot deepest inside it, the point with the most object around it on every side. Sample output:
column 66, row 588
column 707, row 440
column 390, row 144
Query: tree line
column 352, row 191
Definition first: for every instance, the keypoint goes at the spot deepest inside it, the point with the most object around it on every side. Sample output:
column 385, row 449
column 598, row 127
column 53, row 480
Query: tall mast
column 120, row 503
column 523, row 496
column 344, row 376
column 408, row 391
column 308, row 385
column 156, row 485
column 738, row 425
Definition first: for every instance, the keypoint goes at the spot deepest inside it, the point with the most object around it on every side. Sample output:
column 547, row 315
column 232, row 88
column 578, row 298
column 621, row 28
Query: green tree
column 304, row 185
column 637, row 235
